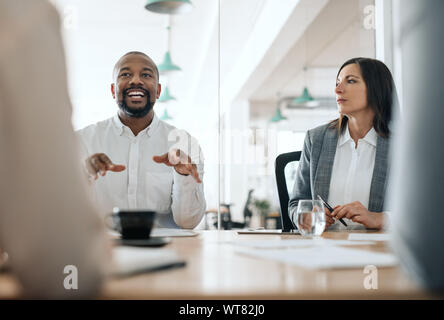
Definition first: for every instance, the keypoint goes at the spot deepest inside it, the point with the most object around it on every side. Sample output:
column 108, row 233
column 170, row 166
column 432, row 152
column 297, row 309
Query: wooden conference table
column 215, row 271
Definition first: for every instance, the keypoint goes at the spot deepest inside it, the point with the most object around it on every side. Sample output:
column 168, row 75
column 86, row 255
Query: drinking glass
column 310, row 218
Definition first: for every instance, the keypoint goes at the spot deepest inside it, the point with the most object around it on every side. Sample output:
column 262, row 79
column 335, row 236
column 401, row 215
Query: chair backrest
column 281, row 162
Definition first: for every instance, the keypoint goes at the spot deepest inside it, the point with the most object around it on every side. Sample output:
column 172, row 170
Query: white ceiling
column 328, row 33
column 259, row 46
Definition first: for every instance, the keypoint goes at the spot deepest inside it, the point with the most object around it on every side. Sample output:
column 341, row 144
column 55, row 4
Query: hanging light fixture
column 304, row 98
column 165, row 96
column 165, row 116
column 169, row 6
column 278, row 116
column 167, row 65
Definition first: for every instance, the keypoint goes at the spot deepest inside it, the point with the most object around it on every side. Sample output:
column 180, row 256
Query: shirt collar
column 371, row 137
column 344, row 137
column 121, row 128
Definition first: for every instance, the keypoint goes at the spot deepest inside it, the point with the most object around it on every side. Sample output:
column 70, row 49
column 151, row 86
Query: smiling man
column 137, row 161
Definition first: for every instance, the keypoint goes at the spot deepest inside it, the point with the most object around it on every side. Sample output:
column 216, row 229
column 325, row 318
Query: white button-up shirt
column 144, row 184
column 352, row 173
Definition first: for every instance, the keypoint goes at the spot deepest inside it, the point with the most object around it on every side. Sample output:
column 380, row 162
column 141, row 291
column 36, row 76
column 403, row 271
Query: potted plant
column 263, row 207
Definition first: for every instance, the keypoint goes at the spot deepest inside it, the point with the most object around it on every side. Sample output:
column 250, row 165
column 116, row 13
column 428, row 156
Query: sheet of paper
column 268, row 231
column 170, row 232
column 296, row 243
column 132, row 260
column 369, row 237
column 328, row 257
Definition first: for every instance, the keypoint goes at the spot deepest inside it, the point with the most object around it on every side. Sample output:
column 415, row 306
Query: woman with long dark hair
column 346, row 160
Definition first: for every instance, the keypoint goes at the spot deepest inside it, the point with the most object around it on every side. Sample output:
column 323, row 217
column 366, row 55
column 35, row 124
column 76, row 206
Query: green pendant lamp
column 165, row 96
column 167, row 66
column 169, row 6
column 278, row 116
column 165, row 116
column 304, row 98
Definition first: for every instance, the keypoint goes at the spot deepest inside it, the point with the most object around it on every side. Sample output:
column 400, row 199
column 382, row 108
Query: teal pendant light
column 165, row 96
column 167, row 65
column 169, row 6
column 278, row 116
column 165, row 116
column 304, row 98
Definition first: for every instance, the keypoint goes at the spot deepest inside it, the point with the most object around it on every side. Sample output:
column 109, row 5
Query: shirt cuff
column 386, row 220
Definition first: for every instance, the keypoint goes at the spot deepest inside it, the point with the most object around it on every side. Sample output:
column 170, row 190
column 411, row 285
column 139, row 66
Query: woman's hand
column 356, row 212
column 328, row 218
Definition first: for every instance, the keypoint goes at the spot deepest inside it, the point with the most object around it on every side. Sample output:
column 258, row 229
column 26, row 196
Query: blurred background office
column 259, row 72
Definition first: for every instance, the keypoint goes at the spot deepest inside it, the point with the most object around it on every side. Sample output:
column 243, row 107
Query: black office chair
column 281, row 162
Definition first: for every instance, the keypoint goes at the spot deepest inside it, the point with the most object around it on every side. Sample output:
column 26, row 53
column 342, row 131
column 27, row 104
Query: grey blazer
column 315, row 167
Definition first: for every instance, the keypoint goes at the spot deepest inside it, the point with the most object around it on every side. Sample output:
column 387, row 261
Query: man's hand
column 181, row 163
column 100, row 163
column 358, row 213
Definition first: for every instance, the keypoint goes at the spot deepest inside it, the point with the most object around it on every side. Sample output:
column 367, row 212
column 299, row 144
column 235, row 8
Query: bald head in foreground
column 49, row 228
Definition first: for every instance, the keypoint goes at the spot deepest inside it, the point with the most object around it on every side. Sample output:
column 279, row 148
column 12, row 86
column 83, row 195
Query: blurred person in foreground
column 46, row 220
column 416, row 187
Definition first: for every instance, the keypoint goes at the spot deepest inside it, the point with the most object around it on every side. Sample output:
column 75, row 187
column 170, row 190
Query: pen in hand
column 331, row 209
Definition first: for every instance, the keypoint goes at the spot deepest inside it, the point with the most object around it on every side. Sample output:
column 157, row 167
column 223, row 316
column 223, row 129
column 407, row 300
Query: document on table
column 130, row 260
column 296, row 243
column 268, row 231
column 369, row 236
column 326, row 257
column 171, row 232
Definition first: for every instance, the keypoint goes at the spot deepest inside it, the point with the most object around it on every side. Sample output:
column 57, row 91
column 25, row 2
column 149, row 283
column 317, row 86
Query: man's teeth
column 136, row 93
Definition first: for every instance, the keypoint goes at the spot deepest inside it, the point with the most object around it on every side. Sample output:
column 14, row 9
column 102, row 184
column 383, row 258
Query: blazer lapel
column 378, row 186
column 325, row 164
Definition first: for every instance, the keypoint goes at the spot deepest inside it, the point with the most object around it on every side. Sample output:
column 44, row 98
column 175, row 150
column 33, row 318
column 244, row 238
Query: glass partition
column 254, row 76
column 279, row 61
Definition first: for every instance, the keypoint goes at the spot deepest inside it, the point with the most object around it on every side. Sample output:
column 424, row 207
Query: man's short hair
column 134, row 52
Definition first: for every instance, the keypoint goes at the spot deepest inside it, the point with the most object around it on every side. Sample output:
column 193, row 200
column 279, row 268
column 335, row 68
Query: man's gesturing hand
column 181, row 163
column 99, row 162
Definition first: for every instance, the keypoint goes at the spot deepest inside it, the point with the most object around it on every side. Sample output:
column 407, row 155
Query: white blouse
column 352, row 173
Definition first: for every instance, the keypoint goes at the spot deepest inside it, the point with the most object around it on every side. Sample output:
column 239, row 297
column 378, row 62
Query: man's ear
column 113, row 90
column 159, row 90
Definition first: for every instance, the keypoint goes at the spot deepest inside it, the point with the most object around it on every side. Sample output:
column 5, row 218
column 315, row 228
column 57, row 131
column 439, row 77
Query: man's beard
column 136, row 112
